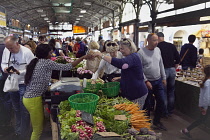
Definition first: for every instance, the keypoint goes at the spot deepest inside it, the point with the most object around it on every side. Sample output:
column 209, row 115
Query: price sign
column 108, row 134
column 120, row 117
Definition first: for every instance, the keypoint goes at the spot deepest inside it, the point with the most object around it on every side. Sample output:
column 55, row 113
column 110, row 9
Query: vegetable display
column 138, row 118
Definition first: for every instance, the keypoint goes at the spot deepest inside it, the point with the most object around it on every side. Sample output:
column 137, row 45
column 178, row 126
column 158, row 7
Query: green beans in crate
column 111, row 89
column 84, row 101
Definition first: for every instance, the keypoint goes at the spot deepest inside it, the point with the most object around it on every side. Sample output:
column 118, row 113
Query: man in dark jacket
column 171, row 60
column 188, row 54
column 81, row 48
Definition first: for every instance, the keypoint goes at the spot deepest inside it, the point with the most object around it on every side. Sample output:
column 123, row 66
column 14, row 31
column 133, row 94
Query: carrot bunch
column 138, row 118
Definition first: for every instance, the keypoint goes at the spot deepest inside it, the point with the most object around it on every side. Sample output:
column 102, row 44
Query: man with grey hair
column 18, row 56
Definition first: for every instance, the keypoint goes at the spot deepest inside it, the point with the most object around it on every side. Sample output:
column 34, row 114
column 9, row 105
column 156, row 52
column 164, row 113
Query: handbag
column 11, row 83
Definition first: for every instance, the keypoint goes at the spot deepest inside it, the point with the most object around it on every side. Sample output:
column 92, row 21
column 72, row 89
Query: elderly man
column 155, row 78
column 171, row 60
column 18, row 56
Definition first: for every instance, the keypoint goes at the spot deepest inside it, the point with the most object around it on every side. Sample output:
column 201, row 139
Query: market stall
column 187, row 97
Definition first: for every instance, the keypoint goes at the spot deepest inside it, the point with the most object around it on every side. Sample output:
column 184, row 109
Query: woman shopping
column 37, row 78
column 132, row 83
column 110, row 71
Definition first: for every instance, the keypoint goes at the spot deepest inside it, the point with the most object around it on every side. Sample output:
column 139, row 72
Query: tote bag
column 11, row 83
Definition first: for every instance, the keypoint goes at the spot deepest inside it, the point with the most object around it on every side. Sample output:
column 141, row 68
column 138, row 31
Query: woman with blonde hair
column 93, row 63
column 132, row 83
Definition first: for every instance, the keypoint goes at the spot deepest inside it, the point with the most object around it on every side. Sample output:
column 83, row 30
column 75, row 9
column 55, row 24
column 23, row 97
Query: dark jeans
column 22, row 117
column 5, row 106
column 169, row 90
column 199, row 121
column 158, row 92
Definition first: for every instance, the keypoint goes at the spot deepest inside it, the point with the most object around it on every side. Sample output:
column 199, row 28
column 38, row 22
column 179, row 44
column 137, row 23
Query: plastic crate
column 84, row 101
column 111, row 89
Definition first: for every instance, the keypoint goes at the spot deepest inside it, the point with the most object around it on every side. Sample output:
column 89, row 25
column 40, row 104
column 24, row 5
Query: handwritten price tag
column 108, row 134
column 120, row 117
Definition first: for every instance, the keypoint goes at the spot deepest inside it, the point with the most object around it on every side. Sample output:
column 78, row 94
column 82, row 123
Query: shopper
column 92, row 65
column 132, row 80
column 110, row 71
column 171, row 60
column 204, row 102
column 155, row 78
column 79, row 48
column 188, row 54
column 37, row 78
column 20, row 57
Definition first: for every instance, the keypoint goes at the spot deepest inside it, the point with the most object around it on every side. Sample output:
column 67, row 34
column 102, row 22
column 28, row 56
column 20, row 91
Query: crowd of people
column 146, row 76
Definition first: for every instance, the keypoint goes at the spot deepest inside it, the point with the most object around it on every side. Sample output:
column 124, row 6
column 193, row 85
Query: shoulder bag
column 11, row 83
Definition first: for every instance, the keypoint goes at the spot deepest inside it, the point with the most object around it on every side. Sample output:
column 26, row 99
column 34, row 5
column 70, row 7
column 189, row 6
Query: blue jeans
column 158, row 92
column 22, row 117
column 169, row 90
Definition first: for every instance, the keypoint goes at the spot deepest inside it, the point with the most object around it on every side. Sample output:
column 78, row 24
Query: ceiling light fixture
column 77, row 18
column 81, row 16
column 87, row 3
column 40, row 10
column 46, row 18
column 44, row 15
column 48, row 21
column 83, row 11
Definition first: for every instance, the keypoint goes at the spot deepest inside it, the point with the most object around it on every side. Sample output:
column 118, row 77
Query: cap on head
column 160, row 34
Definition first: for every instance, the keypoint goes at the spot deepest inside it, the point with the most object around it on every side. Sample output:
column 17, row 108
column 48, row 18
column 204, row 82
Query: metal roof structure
column 39, row 13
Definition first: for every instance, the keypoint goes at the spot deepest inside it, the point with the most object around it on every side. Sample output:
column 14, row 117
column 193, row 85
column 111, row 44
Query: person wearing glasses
column 18, row 56
column 155, row 78
column 132, row 83
column 110, row 71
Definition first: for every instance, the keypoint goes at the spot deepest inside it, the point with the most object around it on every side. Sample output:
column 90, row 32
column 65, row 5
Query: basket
column 84, row 101
column 111, row 89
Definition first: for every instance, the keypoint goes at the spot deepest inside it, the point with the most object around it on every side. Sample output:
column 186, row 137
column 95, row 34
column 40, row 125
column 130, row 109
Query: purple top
column 132, row 80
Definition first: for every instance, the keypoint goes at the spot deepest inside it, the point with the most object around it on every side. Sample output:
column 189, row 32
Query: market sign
column 2, row 17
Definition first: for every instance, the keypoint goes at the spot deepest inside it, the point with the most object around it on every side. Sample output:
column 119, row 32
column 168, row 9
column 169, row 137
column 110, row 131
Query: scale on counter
column 66, row 84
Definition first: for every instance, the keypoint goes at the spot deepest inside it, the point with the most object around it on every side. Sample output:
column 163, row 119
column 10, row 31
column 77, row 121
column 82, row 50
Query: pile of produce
column 72, row 125
column 136, row 126
column 138, row 118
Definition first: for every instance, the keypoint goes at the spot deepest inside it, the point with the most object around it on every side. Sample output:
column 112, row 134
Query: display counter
column 186, row 99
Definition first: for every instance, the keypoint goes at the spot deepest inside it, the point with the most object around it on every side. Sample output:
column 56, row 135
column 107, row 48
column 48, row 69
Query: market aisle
column 178, row 121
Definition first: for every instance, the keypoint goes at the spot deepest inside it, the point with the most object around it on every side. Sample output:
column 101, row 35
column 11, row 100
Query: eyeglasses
column 111, row 44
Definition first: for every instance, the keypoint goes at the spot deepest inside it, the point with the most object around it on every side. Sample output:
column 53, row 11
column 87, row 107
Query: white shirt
column 18, row 61
column 109, row 69
column 204, row 99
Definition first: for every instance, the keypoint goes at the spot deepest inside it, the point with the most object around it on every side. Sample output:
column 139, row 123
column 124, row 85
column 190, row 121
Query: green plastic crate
column 84, row 101
column 111, row 89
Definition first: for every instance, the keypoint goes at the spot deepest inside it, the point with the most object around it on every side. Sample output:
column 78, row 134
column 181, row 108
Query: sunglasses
column 111, row 44
column 125, row 41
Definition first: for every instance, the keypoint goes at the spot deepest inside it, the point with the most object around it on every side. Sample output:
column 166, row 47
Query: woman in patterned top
column 37, row 78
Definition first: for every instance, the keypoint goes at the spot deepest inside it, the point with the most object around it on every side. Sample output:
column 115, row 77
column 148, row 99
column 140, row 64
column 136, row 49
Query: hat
column 160, row 34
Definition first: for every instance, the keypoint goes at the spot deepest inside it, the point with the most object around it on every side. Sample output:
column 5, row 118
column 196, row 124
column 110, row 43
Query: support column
column 136, row 33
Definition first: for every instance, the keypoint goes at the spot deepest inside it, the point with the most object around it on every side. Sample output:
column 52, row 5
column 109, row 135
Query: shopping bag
column 11, row 83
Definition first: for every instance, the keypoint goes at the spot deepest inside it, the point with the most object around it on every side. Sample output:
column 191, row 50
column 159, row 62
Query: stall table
column 186, row 99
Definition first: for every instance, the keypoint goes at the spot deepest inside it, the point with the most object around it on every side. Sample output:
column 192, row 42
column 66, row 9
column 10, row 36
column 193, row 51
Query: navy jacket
column 190, row 58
